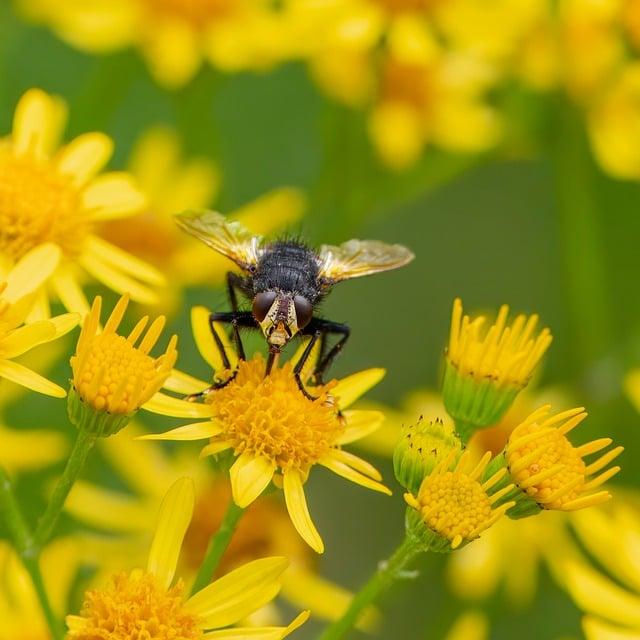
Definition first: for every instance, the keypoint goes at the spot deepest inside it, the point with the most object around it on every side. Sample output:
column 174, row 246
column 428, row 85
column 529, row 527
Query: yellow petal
column 21, row 375
column 205, row 341
column 595, row 629
column 32, row 270
column 30, row 449
column 250, row 476
column 348, row 473
column 238, row 594
column 360, row 424
column 471, row 625
column 155, row 158
column 195, row 431
column 258, row 633
column 60, row 564
column 173, row 520
column 123, row 260
column 85, row 156
column 66, row 286
column 180, row 382
column 349, row 389
column 37, row 123
column 271, row 212
column 112, row 195
column 298, row 510
column 176, row 408
column 24, row 338
column 65, row 323
column 215, row 448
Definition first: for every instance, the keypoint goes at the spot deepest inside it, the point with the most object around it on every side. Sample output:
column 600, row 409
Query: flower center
column 135, row 607
column 454, row 505
column 411, row 84
column 112, row 367
column 38, row 204
column 552, row 449
column 196, row 12
column 269, row 416
column 264, row 530
column 399, row 6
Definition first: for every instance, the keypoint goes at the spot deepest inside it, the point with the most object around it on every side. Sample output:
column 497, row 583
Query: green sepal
column 475, row 403
column 101, row 424
column 525, row 506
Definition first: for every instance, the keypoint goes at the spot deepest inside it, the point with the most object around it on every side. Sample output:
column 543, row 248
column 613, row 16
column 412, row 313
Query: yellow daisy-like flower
column 276, row 433
column 173, row 183
column 454, row 505
column 53, row 197
column 114, row 375
column 265, row 528
column 146, row 599
column 486, row 369
column 17, row 338
column 549, row 471
column 174, row 36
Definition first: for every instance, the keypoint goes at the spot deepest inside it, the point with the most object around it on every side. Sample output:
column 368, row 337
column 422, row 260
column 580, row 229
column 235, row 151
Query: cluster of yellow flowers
column 263, row 433
column 426, row 71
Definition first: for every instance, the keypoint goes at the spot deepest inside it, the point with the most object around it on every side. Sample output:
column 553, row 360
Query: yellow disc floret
column 549, row 469
column 111, row 372
column 37, row 205
column 135, row 607
column 270, row 417
column 454, row 504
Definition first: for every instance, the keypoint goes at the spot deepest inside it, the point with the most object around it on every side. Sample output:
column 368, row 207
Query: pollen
column 455, row 504
column 112, row 372
column 38, row 204
column 135, row 607
column 269, row 416
column 505, row 354
column 544, row 464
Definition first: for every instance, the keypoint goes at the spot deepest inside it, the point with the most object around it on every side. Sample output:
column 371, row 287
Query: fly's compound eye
column 262, row 303
column 304, row 311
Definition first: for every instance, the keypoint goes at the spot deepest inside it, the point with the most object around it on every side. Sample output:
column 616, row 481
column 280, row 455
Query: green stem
column 24, row 545
column 83, row 444
column 388, row 572
column 217, row 546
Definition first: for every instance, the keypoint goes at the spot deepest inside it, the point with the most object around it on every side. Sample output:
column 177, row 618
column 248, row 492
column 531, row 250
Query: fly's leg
column 326, row 328
column 234, row 284
column 303, row 360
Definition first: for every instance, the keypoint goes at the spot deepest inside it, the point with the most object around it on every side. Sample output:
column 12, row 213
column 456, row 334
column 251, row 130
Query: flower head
column 485, row 370
column 114, row 375
column 549, row 471
column 146, row 599
column 53, row 197
column 454, row 505
column 277, row 433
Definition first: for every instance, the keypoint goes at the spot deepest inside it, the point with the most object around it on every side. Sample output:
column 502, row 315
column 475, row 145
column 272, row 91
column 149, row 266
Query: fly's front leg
column 326, row 328
column 234, row 284
column 302, row 361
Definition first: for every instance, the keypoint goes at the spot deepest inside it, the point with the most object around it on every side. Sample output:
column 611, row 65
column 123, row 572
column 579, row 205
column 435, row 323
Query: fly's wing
column 357, row 258
column 230, row 239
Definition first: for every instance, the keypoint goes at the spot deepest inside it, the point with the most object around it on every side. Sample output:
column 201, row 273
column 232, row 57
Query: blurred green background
column 539, row 233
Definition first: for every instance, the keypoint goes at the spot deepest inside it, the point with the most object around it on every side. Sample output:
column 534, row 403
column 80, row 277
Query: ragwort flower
column 114, row 375
column 146, row 598
column 53, row 197
column 276, row 433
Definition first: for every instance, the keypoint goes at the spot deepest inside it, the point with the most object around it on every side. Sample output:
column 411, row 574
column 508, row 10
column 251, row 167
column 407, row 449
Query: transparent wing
column 231, row 239
column 357, row 258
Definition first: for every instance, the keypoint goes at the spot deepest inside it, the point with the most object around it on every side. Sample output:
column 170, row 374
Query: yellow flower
column 454, row 505
column 612, row 599
column 265, row 528
column 20, row 610
column 470, row 625
column 146, row 597
column 276, row 433
column 486, row 369
column 17, row 338
column 53, row 197
column 174, row 184
column 549, row 471
column 114, row 375
column 173, row 36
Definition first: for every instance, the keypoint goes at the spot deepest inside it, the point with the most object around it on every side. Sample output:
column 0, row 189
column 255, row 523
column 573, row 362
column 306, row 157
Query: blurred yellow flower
column 470, row 625
column 455, row 505
column 264, row 529
column 113, row 376
column 53, row 197
column 17, row 338
column 173, row 184
column 174, row 36
column 146, row 597
column 277, row 433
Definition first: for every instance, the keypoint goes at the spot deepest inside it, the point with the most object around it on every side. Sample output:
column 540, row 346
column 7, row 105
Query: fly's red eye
column 262, row 303
column 304, row 311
